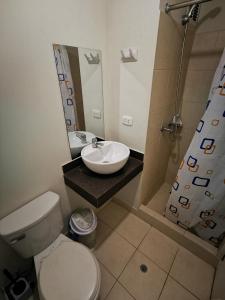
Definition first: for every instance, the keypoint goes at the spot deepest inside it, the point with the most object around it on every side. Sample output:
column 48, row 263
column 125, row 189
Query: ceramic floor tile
column 103, row 231
column 143, row 285
column 114, row 253
column 107, row 282
column 159, row 248
column 112, row 214
column 119, row 293
column 133, row 229
column 193, row 273
column 174, row 291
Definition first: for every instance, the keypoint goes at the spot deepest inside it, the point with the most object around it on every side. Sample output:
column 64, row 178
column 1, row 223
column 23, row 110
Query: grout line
column 184, row 287
column 106, row 296
column 132, row 296
column 155, row 263
column 136, row 247
column 213, row 282
column 114, row 229
column 168, row 274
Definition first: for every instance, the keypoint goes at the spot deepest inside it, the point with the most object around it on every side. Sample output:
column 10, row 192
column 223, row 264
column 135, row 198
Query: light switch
column 96, row 114
column 127, row 120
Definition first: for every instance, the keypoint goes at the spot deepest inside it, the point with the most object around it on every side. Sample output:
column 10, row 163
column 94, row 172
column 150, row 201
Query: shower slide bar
column 170, row 7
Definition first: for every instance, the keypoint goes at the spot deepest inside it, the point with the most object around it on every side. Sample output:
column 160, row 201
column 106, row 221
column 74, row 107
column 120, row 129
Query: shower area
column 190, row 44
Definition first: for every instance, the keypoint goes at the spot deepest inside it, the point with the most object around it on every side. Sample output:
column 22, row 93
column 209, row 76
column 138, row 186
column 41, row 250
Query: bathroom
column 133, row 220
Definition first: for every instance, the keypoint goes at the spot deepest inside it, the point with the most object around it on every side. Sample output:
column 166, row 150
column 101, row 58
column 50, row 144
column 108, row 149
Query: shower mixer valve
column 172, row 126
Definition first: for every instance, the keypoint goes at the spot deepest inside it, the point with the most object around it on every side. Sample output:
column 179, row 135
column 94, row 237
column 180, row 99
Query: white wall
column 131, row 23
column 33, row 135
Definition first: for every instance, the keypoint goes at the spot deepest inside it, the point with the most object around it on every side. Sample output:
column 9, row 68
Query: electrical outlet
column 96, row 114
column 127, row 120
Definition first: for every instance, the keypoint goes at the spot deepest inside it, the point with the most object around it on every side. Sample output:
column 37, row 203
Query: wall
column 158, row 145
column 131, row 24
column 34, row 142
column 208, row 44
column 33, row 135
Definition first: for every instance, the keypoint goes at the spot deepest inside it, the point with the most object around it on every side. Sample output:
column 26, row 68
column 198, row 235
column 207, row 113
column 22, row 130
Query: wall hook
column 129, row 54
column 93, row 60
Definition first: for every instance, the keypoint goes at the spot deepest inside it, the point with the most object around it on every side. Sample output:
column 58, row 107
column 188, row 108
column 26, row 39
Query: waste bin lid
column 83, row 219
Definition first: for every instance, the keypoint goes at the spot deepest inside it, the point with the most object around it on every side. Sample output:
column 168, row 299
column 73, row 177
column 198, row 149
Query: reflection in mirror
column 79, row 73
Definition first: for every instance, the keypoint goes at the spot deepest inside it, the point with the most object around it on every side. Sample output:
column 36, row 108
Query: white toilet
column 65, row 269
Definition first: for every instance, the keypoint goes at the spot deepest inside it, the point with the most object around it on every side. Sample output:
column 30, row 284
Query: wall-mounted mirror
column 79, row 72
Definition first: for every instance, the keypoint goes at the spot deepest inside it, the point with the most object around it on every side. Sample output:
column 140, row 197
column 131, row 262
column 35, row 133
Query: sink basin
column 76, row 144
column 107, row 158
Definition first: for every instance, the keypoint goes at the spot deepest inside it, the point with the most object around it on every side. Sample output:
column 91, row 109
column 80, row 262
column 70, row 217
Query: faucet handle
column 94, row 140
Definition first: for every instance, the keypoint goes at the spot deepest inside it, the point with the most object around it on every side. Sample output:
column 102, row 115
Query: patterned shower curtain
column 197, row 200
column 66, row 87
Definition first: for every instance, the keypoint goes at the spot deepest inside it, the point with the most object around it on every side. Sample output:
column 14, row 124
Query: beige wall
column 208, row 44
column 33, row 134
column 158, row 145
column 131, row 23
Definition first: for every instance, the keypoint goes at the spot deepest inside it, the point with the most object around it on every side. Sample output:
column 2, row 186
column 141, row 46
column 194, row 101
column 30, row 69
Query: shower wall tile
column 205, row 55
column 212, row 16
column 197, row 85
column 168, row 43
column 220, row 43
column 204, row 43
column 207, row 48
column 162, row 104
column 191, row 114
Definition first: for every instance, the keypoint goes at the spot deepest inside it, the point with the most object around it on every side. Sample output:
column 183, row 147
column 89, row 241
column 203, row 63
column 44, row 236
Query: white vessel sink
column 76, row 144
column 107, row 158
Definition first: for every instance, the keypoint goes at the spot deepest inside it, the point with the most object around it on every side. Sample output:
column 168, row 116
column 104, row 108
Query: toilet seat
column 70, row 271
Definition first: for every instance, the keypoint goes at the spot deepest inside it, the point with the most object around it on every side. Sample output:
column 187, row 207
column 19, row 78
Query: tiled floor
column 139, row 262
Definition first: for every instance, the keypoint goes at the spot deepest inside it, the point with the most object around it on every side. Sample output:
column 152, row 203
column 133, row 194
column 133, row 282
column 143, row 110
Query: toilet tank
column 34, row 226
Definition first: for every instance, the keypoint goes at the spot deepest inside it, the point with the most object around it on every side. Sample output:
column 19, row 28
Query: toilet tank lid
column 29, row 214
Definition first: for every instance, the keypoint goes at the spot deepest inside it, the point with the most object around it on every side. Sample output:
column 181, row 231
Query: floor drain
column 143, row 268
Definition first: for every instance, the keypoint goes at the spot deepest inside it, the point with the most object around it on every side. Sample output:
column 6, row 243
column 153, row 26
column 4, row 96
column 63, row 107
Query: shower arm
column 170, row 7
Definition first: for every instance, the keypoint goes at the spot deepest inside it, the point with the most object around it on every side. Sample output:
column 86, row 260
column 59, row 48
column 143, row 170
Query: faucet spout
column 95, row 143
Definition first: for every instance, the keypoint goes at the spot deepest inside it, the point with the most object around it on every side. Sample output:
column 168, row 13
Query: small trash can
column 82, row 226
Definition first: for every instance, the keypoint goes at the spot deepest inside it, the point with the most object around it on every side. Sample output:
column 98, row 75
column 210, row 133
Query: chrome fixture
column 173, row 126
column 170, row 7
column 193, row 13
column 82, row 137
column 95, row 143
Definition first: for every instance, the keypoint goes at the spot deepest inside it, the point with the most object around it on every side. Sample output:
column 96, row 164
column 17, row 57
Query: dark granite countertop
column 96, row 188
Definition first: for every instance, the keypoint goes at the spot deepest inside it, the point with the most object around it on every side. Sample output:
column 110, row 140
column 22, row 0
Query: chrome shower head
column 193, row 13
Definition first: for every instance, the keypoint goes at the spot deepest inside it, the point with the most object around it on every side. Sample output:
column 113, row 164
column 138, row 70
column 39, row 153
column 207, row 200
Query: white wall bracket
column 129, row 54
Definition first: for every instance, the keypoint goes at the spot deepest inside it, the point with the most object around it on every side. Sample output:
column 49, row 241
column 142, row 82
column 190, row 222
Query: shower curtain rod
column 170, row 7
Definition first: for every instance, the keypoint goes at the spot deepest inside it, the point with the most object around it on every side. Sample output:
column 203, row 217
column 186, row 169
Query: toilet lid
column 69, row 272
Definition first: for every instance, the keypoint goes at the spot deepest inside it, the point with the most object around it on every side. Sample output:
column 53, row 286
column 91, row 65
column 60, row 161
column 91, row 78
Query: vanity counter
column 96, row 188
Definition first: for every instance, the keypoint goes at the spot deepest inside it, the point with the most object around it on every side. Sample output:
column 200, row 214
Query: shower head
column 193, row 13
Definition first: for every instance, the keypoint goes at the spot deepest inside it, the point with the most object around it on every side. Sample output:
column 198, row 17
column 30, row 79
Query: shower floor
column 153, row 213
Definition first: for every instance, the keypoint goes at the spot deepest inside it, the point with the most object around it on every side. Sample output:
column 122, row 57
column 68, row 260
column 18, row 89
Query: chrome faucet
column 95, row 143
column 82, row 137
